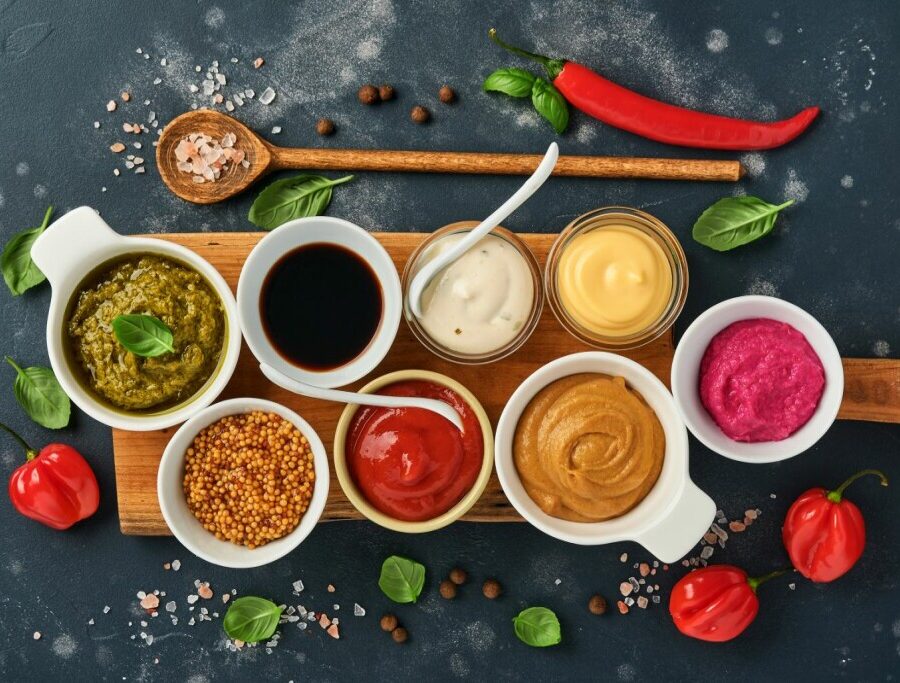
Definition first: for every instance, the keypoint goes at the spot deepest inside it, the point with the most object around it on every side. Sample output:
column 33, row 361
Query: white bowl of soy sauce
column 319, row 300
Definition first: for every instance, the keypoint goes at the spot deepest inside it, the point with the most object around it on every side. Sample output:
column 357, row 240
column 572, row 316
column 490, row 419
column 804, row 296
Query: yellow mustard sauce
column 614, row 281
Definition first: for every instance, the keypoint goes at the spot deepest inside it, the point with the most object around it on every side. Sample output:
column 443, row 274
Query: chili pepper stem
column 756, row 581
column 30, row 453
column 837, row 495
column 553, row 66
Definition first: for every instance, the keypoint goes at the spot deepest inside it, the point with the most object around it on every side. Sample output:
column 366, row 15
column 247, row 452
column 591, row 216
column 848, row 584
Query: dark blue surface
column 834, row 253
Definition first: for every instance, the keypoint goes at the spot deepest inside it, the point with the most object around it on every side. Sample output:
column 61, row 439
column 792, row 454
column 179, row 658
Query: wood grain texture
column 872, row 387
column 137, row 454
column 871, row 390
column 504, row 164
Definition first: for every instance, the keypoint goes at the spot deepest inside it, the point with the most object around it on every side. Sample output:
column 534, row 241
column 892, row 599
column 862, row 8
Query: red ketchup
column 412, row 464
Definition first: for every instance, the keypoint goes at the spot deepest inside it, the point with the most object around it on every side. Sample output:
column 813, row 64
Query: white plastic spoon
column 432, row 268
column 445, row 410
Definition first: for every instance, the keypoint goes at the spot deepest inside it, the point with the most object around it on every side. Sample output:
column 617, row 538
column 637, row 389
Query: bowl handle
column 682, row 527
column 69, row 241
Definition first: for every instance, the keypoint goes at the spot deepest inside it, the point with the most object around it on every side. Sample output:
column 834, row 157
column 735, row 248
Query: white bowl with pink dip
column 686, row 373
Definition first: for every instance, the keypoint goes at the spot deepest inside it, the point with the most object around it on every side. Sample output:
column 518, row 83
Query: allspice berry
column 446, row 94
column 386, row 92
column 420, row 114
column 388, row 622
column 368, row 94
column 458, row 576
column 448, row 590
column 325, row 127
column 597, row 604
column 399, row 635
column 491, row 589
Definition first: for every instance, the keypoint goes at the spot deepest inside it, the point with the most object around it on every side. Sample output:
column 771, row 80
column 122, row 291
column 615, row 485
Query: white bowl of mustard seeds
column 183, row 484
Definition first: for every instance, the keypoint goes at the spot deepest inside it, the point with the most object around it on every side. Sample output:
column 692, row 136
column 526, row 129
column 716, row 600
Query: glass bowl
column 618, row 216
column 452, row 355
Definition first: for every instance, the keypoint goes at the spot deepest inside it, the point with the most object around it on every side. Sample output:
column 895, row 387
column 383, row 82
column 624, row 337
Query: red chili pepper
column 716, row 603
column 825, row 534
column 56, row 487
column 623, row 108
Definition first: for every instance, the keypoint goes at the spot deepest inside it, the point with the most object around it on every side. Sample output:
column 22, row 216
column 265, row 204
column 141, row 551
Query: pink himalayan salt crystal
column 206, row 158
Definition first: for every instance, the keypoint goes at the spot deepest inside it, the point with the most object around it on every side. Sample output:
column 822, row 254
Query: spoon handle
column 522, row 195
column 445, row 410
column 503, row 164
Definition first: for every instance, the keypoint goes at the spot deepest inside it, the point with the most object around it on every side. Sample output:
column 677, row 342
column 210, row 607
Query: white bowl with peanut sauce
column 670, row 519
column 191, row 532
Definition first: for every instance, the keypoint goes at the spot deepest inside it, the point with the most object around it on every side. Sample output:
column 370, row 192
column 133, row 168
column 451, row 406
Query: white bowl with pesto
column 75, row 246
column 188, row 529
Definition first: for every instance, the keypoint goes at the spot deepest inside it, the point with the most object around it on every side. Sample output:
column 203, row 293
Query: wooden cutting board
column 872, row 387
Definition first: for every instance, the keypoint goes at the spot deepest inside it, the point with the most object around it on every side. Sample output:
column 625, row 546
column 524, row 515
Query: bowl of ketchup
column 408, row 469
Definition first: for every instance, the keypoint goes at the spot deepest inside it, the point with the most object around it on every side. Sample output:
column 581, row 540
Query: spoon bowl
column 236, row 179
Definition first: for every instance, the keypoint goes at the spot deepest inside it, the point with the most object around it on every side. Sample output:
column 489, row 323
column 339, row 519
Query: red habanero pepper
column 56, row 487
column 716, row 603
column 825, row 534
column 623, row 108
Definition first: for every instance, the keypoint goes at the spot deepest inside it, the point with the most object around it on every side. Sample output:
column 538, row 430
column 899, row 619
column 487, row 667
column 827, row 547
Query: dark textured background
column 834, row 254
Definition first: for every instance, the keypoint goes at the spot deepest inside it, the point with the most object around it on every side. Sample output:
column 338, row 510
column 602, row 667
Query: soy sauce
column 320, row 306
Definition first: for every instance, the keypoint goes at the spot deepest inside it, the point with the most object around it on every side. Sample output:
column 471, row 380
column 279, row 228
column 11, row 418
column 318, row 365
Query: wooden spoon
column 265, row 157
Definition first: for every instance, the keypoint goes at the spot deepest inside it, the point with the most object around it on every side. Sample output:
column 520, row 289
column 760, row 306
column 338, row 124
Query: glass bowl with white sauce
column 483, row 306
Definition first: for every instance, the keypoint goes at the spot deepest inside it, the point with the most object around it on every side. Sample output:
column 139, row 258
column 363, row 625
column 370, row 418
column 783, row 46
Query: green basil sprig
column 401, row 579
column 547, row 100
column 38, row 392
column 550, row 104
column 513, row 82
column 734, row 221
column 143, row 335
column 537, row 627
column 251, row 619
column 19, row 270
column 289, row 198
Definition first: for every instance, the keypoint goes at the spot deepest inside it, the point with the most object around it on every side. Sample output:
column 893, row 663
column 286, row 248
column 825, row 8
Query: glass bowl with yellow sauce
column 483, row 306
column 616, row 278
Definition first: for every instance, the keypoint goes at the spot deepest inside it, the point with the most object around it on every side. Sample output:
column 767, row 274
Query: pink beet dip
column 760, row 380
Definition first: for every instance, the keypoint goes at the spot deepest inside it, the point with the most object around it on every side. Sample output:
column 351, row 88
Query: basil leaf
column 251, row 619
column 513, row 82
column 289, row 198
column 38, row 392
column 550, row 104
column 401, row 579
column 143, row 335
column 19, row 270
column 735, row 221
column 537, row 627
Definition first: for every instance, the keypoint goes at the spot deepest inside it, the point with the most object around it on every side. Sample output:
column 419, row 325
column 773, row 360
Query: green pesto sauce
column 147, row 284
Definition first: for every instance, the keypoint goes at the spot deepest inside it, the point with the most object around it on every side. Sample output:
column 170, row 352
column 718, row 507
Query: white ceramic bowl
column 674, row 515
column 187, row 528
column 686, row 377
column 70, row 249
column 298, row 233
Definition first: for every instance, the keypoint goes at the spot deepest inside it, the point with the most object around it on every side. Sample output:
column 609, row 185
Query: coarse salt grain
column 204, row 591
column 258, row 62
column 111, row 105
column 150, row 602
column 358, row 610
column 37, row 635
column 268, row 96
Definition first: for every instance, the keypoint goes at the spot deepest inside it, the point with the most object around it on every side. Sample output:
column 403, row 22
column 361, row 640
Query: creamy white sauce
column 480, row 302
